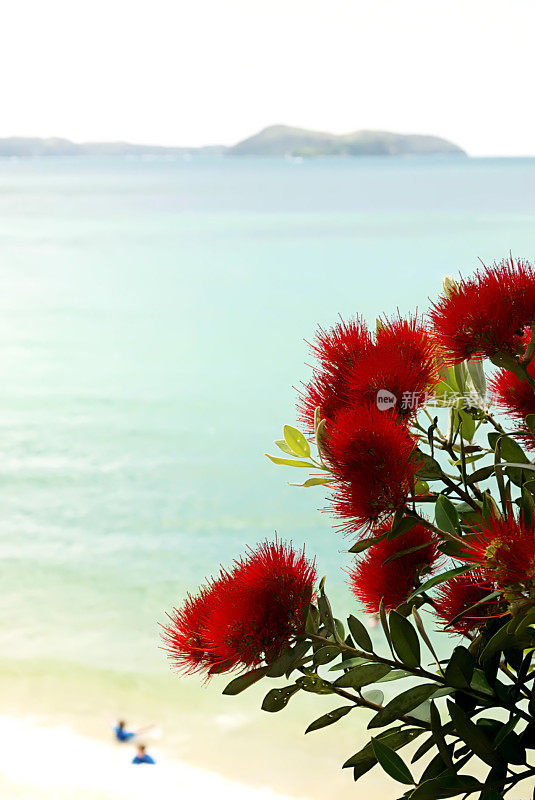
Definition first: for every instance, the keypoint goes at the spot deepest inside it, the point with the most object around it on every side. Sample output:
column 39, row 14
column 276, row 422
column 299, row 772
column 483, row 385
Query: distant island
column 276, row 140
column 281, row 140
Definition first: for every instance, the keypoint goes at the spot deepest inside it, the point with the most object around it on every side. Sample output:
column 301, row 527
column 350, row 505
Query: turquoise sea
column 152, row 323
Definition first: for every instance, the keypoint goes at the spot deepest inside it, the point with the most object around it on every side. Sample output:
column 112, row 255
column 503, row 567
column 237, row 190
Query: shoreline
column 41, row 761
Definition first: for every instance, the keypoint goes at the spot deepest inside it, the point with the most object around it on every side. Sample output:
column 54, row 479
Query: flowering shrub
column 438, row 505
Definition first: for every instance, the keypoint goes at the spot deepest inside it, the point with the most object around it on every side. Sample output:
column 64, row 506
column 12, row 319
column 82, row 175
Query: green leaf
column 287, row 462
column 481, row 474
column 375, row 696
column 277, row 699
column 438, row 733
column 313, row 482
column 445, row 786
column 281, row 444
column 298, row 653
column 328, row 719
column 401, row 526
column 497, row 643
column 530, row 422
column 437, row 579
column 511, row 450
column 360, row 634
column 446, row 515
column 296, row 442
column 244, row 681
column 479, row 381
column 404, row 639
column 326, row 654
column 326, row 612
column 472, row 735
column 395, row 675
column 313, row 684
column 312, row 620
column 391, row 762
column 363, row 544
column 384, row 623
column 480, row 683
column 468, row 427
column 348, row 663
column 460, row 668
column 402, row 704
column 405, row 552
column 430, row 469
column 357, row 677
column 395, row 738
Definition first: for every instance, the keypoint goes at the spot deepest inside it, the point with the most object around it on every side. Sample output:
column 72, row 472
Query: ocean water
column 153, row 318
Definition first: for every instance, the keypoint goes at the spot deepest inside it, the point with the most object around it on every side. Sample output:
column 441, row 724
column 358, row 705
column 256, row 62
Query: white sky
column 215, row 71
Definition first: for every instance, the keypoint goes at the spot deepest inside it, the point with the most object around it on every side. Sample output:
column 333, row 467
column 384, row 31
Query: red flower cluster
column 516, row 398
column 368, row 446
column 403, row 360
column 246, row 615
column 486, row 314
column 375, row 578
column 374, row 462
column 338, row 352
column 505, row 548
column 456, row 597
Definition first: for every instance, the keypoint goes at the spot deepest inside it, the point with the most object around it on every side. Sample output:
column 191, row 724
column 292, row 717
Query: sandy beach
column 40, row 761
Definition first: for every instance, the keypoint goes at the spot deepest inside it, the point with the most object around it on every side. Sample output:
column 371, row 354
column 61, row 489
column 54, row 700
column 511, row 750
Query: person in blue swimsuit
column 121, row 734
column 142, row 757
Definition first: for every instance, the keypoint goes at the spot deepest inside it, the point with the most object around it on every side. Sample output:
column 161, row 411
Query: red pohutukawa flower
column 486, row 314
column 505, row 548
column 374, row 463
column 338, row 351
column 517, row 398
column 251, row 614
column 376, row 578
column 404, row 361
column 185, row 637
column 455, row 600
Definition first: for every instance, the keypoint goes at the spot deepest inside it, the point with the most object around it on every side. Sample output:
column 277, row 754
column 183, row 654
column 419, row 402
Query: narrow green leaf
column 530, row 422
column 446, row 785
column 363, row 544
column 244, row 681
column 296, row 441
column 438, row 733
column 328, row 719
column 313, row 482
column 360, row 634
column 287, row 462
column 402, row 704
column 437, row 579
column 348, row 663
column 404, row 639
column 384, row 623
column 391, row 762
column 395, row 738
